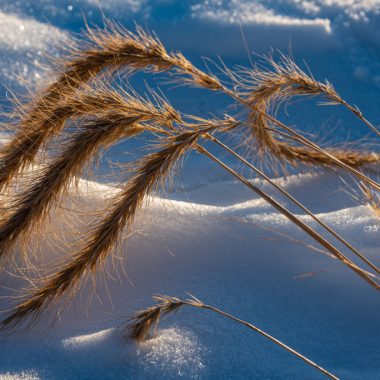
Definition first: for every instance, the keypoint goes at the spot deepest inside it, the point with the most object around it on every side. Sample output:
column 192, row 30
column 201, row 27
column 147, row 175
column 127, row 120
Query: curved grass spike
column 263, row 90
column 266, row 89
column 286, row 80
column 111, row 124
column 142, row 322
column 148, row 174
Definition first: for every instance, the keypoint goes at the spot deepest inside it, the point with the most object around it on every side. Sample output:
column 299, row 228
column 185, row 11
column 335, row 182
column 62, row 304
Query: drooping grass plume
column 286, row 80
column 353, row 158
column 44, row 116
column 148, row 174
column 125, row 118
column 141, row 323
column 266, row 89
column 326, row 154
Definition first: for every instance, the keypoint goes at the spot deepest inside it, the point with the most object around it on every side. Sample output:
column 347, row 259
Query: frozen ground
column 204, row 237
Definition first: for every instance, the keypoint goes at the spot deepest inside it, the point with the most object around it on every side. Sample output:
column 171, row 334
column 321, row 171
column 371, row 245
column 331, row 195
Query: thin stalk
column 359, row 114
column 273, row 339
column 299, row 204
column 293, row 218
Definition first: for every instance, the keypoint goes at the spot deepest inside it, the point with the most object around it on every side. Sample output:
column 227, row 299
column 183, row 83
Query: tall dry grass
column 265, row 89
column 103, row 116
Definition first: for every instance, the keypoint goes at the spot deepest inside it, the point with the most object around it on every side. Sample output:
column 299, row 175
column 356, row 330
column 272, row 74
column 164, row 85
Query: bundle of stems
column 104, row 115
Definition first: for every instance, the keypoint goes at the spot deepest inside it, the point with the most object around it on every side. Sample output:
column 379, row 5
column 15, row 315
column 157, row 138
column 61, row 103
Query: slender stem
column 268, row 336
column 282, row 191
column 293, row 218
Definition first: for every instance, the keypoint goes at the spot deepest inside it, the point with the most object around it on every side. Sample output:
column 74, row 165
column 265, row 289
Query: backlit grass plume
column 112, row 50
column 265, row 89
column 117, row 117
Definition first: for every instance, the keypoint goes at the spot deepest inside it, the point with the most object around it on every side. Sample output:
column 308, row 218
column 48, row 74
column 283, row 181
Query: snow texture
column 209, row 235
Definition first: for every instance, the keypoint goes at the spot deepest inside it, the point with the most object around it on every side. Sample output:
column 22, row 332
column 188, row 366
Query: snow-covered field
column 210, row 236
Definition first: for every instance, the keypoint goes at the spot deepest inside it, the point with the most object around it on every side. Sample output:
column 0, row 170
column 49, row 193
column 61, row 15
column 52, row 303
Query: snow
column 209, row 235
column 256, row 13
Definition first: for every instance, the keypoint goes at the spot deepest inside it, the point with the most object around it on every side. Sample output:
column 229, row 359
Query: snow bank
column 212, row 237
column 231, row 256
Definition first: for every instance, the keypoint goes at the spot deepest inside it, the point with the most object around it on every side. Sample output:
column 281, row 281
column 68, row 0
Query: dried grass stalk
column 45, row 115
column 142, row 322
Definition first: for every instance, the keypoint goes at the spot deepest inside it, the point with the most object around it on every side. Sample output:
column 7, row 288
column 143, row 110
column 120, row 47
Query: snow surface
column 209, row 235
